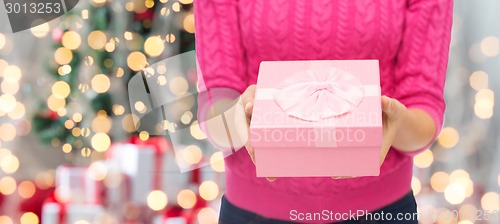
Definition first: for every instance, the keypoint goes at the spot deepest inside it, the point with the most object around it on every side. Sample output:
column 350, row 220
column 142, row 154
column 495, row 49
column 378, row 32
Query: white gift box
column 74, row 185
column 138, row 163
column 51, row 213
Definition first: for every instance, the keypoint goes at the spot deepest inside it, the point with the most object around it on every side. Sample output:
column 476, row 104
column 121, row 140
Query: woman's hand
column 247, row 99
column 393, row 115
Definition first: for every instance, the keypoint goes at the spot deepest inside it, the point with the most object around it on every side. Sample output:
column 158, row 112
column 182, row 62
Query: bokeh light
column 85, row 14
column 186, row 198
column 29, row 218
column 100, row 83
column 12, row 73
column 97, row 39
column 98, row 170
column 71, row 40
column 448, row 137
column 9, row 87
column 457, row 174
column 18, row 112
column 45, row 179
column 186, row 117
column 484, row 103
column 9, row 163
column 7, row 132
column 76, row 131
column 119, row 72
column 7, row 102
column 118, row 109
column 101, row 142
column 137, row 61
column 63, row 56
column 196, row 131
column 178, row 86
column 479, row 80
column 86, row 152
column 217, row 162
column 490, row 46
column 161, row 80
column 424, row 159
column 101, row 123
column 66, row 148
column 26, row 189
column 140, row 107
column 192, row 154
column 439, row 181
column 165, row 11
column 176, row 6
column 3, row 65
column 61, row 89
column 41, row 30
column 416, row 186
column 98, row 2
column 209, row 190
column 54, row 103
column 154, row 46
column 7, row 185
column 188, row 23
column 207, row 216
column 81, row 221
column 144, row 135
column 490, row 201
column 465, row 222
column 77, row 117
column 64, row 70
column 157, row 200
column 88, row 61
column 467, row 184
column 5, row 219
column 170, row 38
column 454, row 193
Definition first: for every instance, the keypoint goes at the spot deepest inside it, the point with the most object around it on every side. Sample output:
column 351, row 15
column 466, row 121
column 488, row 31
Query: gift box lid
column 318, row 103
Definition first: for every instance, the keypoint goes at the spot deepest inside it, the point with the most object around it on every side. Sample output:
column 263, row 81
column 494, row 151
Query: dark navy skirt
column 403, row 211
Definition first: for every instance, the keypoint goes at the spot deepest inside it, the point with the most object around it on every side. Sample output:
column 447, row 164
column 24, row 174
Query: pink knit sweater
column 411, row 40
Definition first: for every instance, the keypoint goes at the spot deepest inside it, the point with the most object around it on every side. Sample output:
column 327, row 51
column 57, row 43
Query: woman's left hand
column 393, row 113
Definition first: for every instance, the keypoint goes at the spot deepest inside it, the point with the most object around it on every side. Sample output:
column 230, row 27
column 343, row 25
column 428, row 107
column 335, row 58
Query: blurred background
column 64, row 110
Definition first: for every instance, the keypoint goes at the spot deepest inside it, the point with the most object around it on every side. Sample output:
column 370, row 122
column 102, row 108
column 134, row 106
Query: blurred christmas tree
column 94, row 46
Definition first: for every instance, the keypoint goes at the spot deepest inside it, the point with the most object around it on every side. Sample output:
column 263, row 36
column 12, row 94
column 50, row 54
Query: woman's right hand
column 247, row 99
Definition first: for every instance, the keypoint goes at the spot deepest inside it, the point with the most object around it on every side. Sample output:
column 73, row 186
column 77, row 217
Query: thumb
column 248, row 108
column 387, row 105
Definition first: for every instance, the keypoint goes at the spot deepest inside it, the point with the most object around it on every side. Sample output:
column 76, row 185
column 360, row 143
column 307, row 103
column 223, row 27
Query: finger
column 248, row 95
column 387, row 104
column 271, row 179
column 249, row 108
column 340, row 177
column 250, row 152
column 247, row 100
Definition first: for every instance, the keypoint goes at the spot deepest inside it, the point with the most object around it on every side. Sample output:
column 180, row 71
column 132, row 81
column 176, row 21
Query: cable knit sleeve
column 221, row 69
column 219, row 49
column 423, row 58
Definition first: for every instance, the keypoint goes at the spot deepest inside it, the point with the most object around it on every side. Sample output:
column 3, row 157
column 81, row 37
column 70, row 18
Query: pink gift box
column 317, row 118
